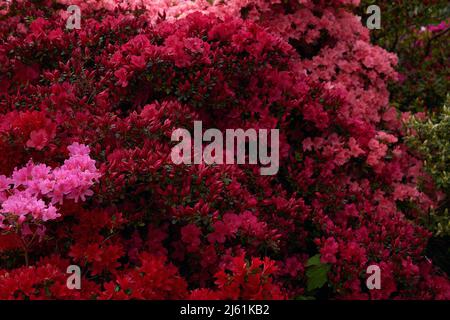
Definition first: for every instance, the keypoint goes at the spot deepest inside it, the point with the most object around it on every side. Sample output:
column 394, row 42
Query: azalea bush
column 85, row 135
column 418, row 32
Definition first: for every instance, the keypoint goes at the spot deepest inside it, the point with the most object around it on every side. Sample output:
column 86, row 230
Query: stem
column 428, row 47
column 26, row 257
column 25, row 251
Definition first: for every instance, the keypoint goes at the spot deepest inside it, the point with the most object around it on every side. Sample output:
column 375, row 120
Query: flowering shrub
column 418, row 31
column 347, row 188
column 23, row 206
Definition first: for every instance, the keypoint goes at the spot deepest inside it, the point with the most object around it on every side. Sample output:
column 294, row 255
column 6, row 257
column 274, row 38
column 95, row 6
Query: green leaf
column 316, row 273
column 313, row 261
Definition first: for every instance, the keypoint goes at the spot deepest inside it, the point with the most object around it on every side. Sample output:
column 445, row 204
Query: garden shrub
column 418, row 32
column 346, row 195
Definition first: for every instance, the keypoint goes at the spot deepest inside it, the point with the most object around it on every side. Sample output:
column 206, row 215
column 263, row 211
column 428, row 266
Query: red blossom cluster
column 347, row 188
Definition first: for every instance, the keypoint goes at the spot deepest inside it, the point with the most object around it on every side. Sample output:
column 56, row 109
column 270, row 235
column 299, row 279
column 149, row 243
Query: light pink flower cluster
column 31, row 192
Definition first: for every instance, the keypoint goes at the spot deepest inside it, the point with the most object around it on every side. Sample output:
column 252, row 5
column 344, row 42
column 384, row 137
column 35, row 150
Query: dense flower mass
column 32, row 182
column 111, row 93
